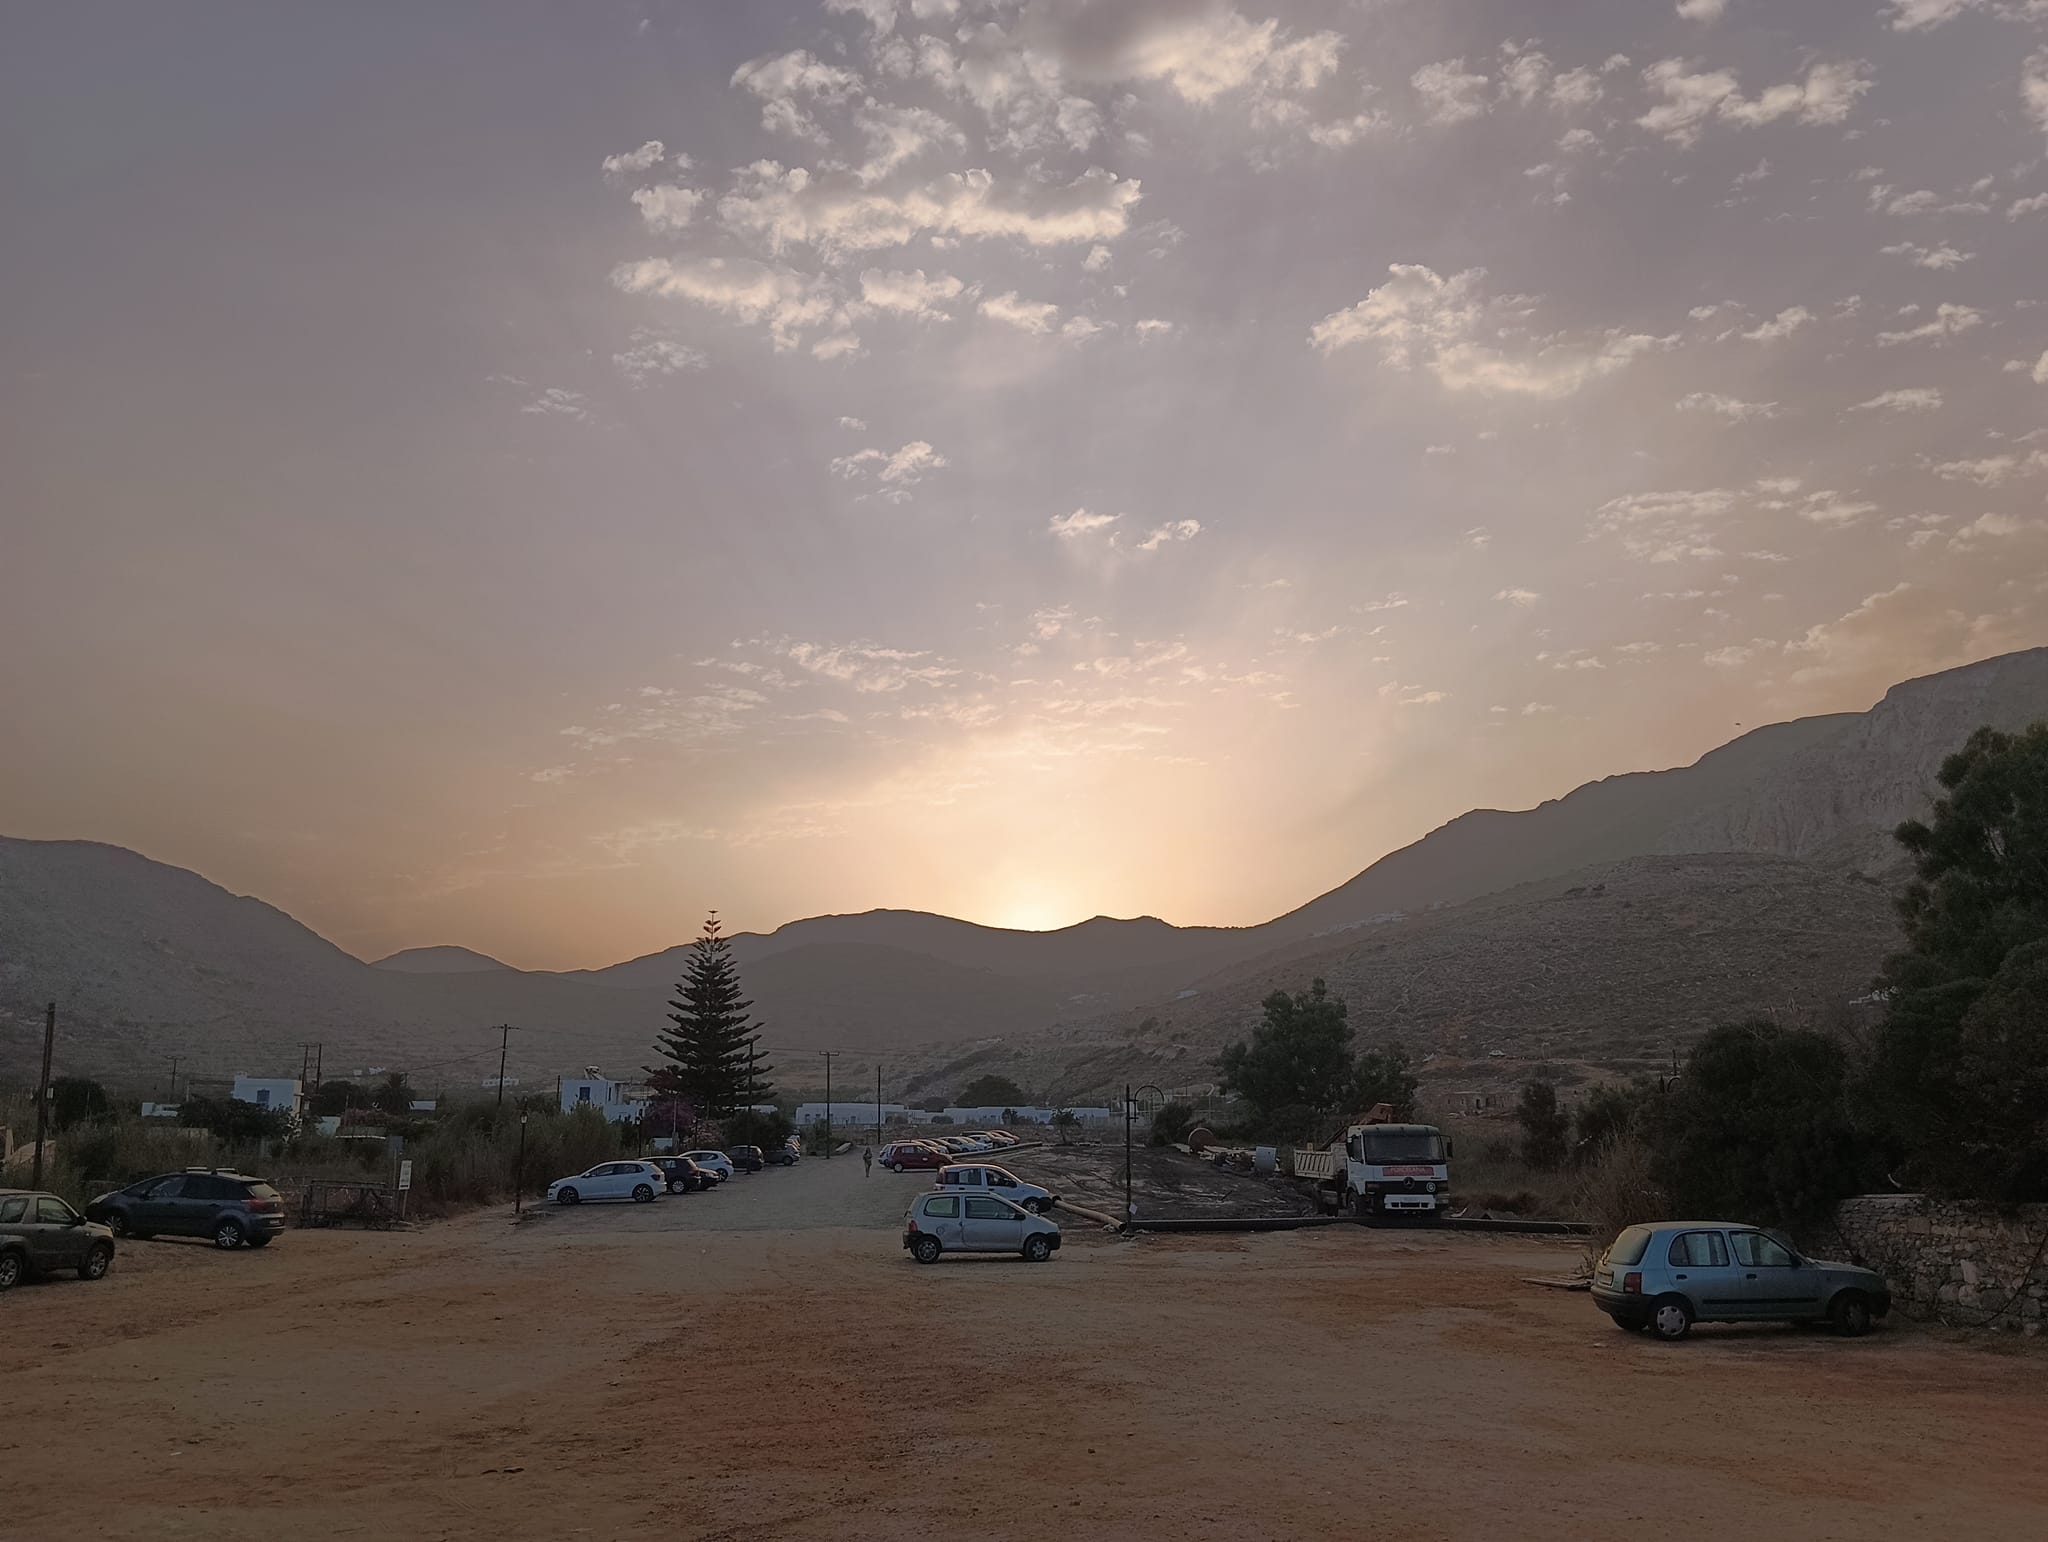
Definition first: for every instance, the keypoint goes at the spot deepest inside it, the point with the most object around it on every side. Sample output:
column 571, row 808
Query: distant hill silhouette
column 150, row 960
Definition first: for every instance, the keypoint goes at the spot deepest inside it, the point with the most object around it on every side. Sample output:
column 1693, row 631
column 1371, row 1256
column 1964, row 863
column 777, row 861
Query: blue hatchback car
column 1663, row 1278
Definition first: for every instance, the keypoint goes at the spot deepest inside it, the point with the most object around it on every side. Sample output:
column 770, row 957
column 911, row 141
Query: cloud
column 1924, row 15
column 649, row 355
column 909, row 294
column 666, row 207
column 1341, row 133
column 1079, row 523
column 1171, row 531
column 784, row 81
column 1992, row 470
column 1828, row 507
column 1991, row 527
column 1702, row 10
column 783, row 207
column 897, row 135
column 785, row 301
column 1950, row 321
column 1694, row 99
column 1520, row 597
column 1451, row 93
column 1671, row 526
column 1096, row 260
column 1782, row 325
column 2021, row 207
column 894, row 474
column 555, row 402
column 1904, row 399
column 2034, row 90
column 1449, row 326
column 1729, row 407
column 1908, row 629
column 617, row 168
column 1941, row 258
column 1025, row 315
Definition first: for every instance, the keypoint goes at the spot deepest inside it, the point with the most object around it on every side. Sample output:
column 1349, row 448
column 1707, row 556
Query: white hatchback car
column 637, row 1181
column 961, row 1221
column 986, row 1178
column 712, row 1162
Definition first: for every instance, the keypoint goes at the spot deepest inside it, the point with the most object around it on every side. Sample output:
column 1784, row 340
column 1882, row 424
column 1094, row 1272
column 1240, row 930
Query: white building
column 275, row 1092
column 850, row 1115
column 601, row 1093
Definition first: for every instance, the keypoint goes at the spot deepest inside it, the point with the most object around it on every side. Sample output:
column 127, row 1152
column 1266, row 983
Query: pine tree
column 712, row 1052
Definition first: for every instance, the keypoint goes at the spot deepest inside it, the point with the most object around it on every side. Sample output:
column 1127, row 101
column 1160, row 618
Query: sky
column 522, row 475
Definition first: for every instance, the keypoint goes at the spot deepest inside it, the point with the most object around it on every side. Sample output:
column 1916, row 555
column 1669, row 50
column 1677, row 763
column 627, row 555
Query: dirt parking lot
column 764, row 1362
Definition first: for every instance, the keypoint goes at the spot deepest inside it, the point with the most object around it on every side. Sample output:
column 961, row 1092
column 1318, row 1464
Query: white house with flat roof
column 601, row 1093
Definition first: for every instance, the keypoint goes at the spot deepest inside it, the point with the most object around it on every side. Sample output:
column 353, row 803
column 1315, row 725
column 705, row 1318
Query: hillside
column 1731, row 884
column 440, row 960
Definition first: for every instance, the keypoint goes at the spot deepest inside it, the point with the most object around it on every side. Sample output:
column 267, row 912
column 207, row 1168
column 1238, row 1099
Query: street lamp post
column 1130, row 1207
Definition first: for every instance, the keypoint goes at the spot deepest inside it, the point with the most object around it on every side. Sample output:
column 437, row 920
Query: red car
column 904, row 1155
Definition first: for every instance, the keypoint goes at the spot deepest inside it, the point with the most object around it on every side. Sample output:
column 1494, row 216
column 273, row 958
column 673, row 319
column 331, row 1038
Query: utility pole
column 174, row 1078
column 1130, row 1210
column 505, row 1032
column 43, row 1092
column 878, row 1102
column 828, row 1101
column 519, row 1171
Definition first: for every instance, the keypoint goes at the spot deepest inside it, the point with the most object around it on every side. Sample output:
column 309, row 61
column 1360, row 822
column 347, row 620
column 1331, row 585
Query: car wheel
column 97, row 1262
column 10, row 1270
column 568, row 1197
column 263, row 1241
column 228, row 1235
column 1850, row 1314
column 1037, row 1249
column 674, row 1187
column 643, row 1193
column 892, row 1167
column 1670, row 1318
column 926, row 1250
column 1033, row 1205
column 117, row 1223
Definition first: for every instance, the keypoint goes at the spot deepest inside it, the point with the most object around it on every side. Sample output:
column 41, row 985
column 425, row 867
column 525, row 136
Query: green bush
column 1171, row 1124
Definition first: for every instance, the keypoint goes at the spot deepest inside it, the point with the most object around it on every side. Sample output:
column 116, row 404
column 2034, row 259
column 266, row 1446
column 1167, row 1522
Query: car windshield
column 1382, row 1147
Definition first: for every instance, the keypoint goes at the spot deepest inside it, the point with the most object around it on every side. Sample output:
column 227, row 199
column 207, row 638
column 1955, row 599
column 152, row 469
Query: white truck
column 1380, row 1170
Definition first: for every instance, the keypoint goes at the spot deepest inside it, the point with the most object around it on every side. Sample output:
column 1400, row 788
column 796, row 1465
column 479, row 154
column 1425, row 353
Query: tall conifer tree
column 711, row 1054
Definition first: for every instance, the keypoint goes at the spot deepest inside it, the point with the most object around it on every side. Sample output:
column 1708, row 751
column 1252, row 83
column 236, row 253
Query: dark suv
column 747, row 1159
column 40, row 1234
column 232, row 1208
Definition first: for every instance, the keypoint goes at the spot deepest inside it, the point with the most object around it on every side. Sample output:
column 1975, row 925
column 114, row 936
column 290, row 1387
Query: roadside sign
column 404, row 1176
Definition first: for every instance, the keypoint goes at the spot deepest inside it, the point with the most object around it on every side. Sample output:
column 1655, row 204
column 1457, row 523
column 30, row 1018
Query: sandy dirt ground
column 764, row 1362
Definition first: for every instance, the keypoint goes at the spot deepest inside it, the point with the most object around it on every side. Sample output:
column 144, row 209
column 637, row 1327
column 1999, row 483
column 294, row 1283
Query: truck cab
column 1394, row 1171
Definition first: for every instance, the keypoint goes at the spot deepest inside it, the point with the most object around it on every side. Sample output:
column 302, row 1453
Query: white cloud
column 1096, row 260
column 783, row 207
column 839, row 345
column 1702, row 10
column 897, row 135
column 1784, row 324
column 666, row 207
column 858, row 425
column 2021, row 207
column 909, row 294
column 1923, row 15
column 1992, row 470
column 1940, row 258
column 784, row 81
column 1692, row 99
column 555, row 402
column 1671, row 526
column 617, row 168
column 1078, row 329
column 1148, row 327
column 1534, row 708
column 1079, row 523
column 1172, row 530
column 1025, row 315
column 649, row 355
column 894, row 474
column 878, row 14
column 1449, row 326
column 1520, row 597
column 2040, row 372
column 1991, row 527
column 1828, row 507
column 1949, row 321
column 1904, row 399
column 1732, row 408
column 1340, row 133
column 1451, row 93
column 787, row 302
column 2034, row 90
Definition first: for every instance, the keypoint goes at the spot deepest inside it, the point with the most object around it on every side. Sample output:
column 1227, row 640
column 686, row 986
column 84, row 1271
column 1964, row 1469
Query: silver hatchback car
column 1663, row 1278
column 961, row 1221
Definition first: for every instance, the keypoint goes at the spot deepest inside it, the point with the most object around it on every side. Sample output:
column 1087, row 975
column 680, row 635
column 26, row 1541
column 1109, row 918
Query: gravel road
column 764, row 1363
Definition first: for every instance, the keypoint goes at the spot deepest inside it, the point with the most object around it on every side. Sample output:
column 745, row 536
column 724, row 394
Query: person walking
column 867, row 1161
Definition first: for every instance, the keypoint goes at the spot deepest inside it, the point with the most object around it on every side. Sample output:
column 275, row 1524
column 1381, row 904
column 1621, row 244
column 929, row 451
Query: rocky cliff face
column 1836, row 802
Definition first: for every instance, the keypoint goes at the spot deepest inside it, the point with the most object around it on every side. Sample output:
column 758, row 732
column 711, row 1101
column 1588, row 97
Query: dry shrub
column 1616, row 1190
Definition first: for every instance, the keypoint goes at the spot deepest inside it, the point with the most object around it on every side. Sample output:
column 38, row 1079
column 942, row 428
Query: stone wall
column 1966, row 1265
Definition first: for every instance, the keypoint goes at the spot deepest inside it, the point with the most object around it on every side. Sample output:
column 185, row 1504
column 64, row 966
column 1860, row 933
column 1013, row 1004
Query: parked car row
column 640, row 1179
column 931, row 1152
column 41, row 1234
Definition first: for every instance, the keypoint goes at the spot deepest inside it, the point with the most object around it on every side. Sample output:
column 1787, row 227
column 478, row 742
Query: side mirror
column 1447, row 1151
